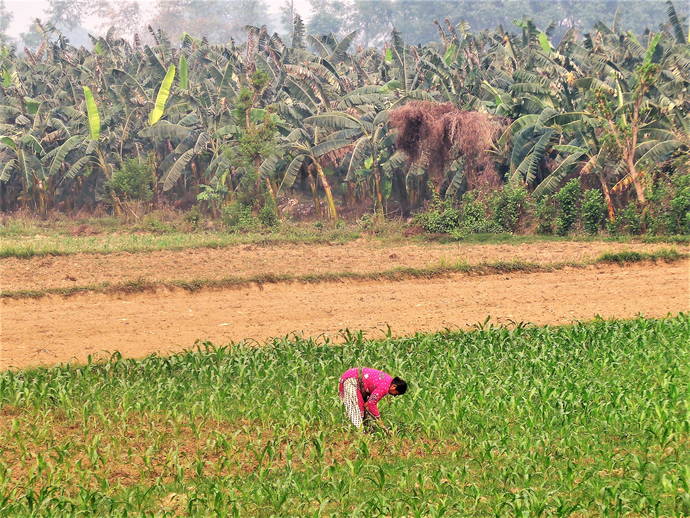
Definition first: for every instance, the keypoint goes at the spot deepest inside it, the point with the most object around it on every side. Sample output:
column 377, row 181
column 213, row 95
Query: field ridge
column 394, row 274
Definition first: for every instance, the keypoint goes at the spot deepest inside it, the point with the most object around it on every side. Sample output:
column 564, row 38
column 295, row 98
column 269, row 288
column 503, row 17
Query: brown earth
column 56, row 329
column 249, row 260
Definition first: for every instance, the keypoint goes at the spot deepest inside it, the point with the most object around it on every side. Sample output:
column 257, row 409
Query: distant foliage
column 194, row 217
column 593, row 211
column 440, row 218
column 238, row 217
column 680, row 205
column 669, row 205
column 629, row 221
column 545, row 214
column 471, row 217
column 268, row 214
column 567, row 203
column 509, row 206
column 133, row 182
column 474, row 216
column 359, row 120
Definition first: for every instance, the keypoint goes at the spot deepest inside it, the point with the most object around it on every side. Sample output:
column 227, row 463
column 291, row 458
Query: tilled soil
column 250, row 260
column 57, row 329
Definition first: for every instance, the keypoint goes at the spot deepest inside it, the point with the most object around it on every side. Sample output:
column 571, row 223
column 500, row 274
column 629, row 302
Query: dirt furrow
column 56, row 329
column 249, row 260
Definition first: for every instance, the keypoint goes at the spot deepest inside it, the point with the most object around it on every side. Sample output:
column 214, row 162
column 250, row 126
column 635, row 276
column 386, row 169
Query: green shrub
column 567, row 201
column 193, row 217
column 545, row 214
column 508, row 205
column 657, row 218
column 473, row 219
column 628, row 220
column 133, row 182
column 268, row 215
column 593, row 211
column 153, row 223
column 440, row 218
column 238, row 217
column 680, row 205
column 668, row 205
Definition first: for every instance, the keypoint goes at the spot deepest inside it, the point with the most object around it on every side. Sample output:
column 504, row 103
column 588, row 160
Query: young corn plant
column 590, row 418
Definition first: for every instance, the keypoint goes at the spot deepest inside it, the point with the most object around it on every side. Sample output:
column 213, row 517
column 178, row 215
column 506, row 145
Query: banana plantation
column 345, row 128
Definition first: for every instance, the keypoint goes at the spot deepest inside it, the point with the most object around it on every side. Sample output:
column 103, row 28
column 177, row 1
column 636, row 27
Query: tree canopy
column 253, row 120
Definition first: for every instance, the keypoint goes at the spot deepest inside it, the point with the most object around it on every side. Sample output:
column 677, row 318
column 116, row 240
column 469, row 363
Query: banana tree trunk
column 332, row 212
column 272, row 193
column 399, row 186
column 607, row 197
column 314, row 192
column 41, row 197
column 632, row 146
column 413, row 193
column 377, row 189
column 350, row 196
column 105, row 167
column 25, row 197
column 636, row 177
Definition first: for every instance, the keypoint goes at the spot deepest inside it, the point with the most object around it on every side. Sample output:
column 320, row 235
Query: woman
column 361, row 388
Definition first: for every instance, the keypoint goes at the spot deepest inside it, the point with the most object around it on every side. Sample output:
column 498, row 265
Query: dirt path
column 55, row 329
column 246, row 261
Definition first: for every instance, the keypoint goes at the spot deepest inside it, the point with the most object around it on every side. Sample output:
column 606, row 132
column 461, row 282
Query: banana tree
column 20, row 156
column 196, row 127
column 640, row 132
column 301, row 145
column 359, row 132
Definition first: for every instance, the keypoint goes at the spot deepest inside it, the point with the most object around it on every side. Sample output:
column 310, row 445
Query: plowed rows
column 248, row 261
column 57, row 329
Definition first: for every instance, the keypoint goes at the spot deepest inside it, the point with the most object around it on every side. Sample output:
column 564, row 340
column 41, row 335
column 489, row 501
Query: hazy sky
column 25, row 11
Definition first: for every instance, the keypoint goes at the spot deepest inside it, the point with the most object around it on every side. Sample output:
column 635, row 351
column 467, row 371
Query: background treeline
column 221, row 20
column 492, row 119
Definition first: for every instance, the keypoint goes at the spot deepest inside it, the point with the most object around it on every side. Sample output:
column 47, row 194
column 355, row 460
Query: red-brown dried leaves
column 433, row 135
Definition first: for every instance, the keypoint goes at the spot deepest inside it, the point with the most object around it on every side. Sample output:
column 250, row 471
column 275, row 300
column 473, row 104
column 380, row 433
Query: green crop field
column 585, row 420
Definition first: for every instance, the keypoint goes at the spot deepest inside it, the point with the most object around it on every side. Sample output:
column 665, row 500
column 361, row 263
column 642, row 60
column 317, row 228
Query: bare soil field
column 361, row 256
column 57, row 329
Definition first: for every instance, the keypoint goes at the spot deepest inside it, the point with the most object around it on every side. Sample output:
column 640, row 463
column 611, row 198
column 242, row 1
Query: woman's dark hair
column 400, row 385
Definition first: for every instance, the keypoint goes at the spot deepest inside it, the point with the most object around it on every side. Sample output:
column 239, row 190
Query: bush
column 440, row 218
column 508, row 205
column 680, row 205
column 593, row 211
column 238, row 217
column 657, row 218
column 193, row 217
column 153, row 223
column 628, row 221
column 567, row 200
column 133, row 182
column 668, row 205
column 473, row 218
column 268, row 215
column 545, row 214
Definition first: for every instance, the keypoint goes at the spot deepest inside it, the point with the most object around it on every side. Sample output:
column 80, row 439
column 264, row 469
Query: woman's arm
column 372, row 403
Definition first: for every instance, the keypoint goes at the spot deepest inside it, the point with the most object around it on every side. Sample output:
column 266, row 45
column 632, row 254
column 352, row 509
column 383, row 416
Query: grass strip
column 152, row 242
column 664, row 254
column 507, row 238
column 155, row 243
column 396, row 274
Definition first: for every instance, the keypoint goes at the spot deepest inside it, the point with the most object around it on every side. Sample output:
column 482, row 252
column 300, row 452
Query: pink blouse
column 376, row 384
